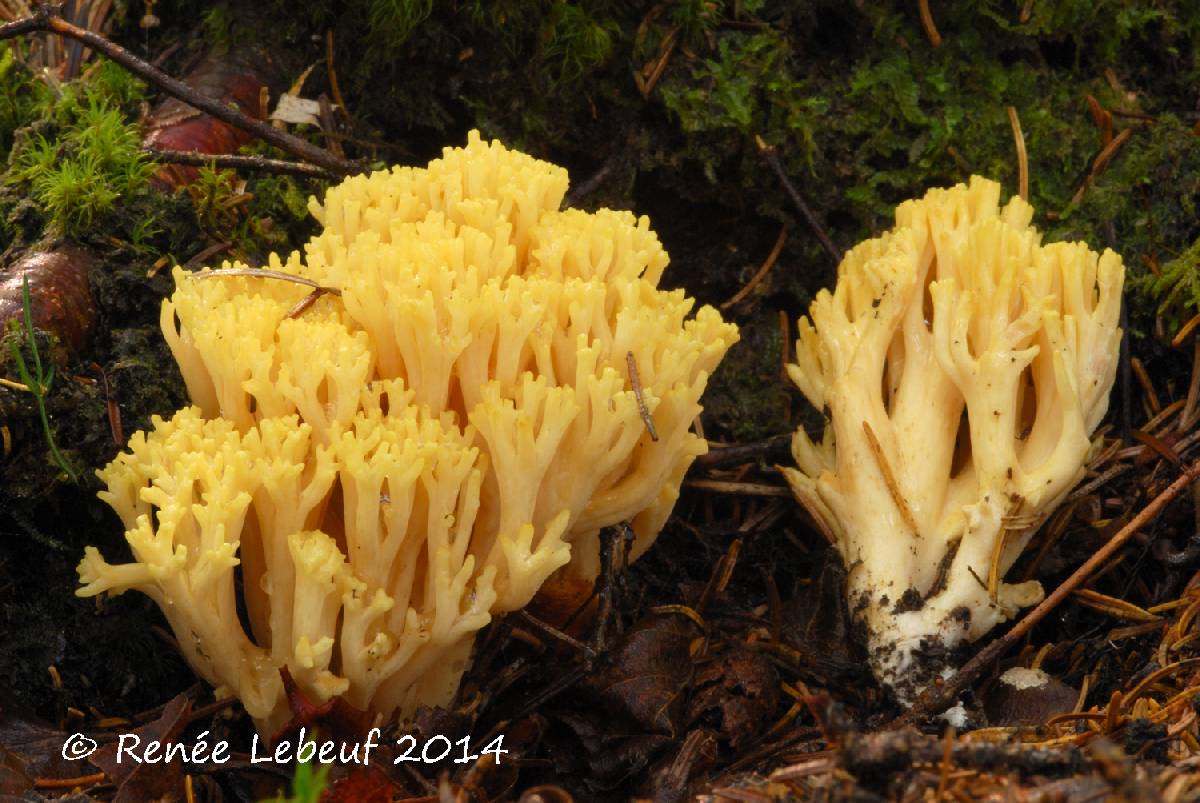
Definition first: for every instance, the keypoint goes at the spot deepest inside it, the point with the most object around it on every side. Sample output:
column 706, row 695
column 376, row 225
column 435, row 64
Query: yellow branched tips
column 964, row 366
column 420, row 449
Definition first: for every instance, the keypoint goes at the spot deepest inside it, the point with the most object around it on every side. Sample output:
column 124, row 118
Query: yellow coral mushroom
column 964, row 366
column 419, row 450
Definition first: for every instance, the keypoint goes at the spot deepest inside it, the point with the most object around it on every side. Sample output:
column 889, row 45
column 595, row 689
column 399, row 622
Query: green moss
column 1176, row 290
column 21, row 97
column 733, row 88
column 391, row 22
column 576, row 42
column 1100, row 28
column 260, row 214
column 86, row 154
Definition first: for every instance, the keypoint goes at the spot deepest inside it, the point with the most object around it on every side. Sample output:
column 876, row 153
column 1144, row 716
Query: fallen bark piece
column 175, row 126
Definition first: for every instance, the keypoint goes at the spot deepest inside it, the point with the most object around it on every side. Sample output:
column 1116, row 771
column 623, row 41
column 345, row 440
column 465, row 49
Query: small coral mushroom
column 964, row 366
column 418, row 450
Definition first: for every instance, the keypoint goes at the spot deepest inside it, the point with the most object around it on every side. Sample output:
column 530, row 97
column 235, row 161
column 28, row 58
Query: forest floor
column 763, row 139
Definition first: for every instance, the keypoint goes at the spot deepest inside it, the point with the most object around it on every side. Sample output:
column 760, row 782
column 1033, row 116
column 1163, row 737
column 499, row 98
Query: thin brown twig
column 239, row 162
column 993, row 579
column 815, row 515
column 1022, row 156
column 300, row 306
column 770, row 450
column 592, row 182
column 759, row 274
column 334, row 88
column 69, row 783
column 1110, row 473
column 207, row 254
column 1102, row 119
column 646, row 83
column 768, row 152
column 115, row 427
column 259, row 273
column 936, row 699
column 1157, row 445
column 928, row 24
column 889, row 479
column 631, row 363
column 1163, row 416
column 743, row 488
column 49, row 18
column 1185, row 330
column 556, row 634
column 1143, row 378
column 1101, row 162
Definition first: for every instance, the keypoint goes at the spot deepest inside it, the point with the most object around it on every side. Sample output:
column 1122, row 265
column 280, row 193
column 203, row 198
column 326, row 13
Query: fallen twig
column 593, row 182
column 1022, row 157
column 770, row 261
column 334, row 87
column 1100, row 163
column 928, row 24
column 934, row 700
column 742, row 488
column 208, row 253
column 772, row 450
column 259, row 273
column 637, row 391
column 234, row 162
column 768, row 152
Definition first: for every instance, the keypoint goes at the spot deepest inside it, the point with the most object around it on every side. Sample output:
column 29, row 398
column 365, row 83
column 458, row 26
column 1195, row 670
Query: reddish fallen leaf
column 736, row 693
column 368, row 784
column 14, row 780
column 649, row 673
column 61, row 299
column 30, row 749
column 137, row 783
column 335, row 718
column 173, row 125
column 629, row 711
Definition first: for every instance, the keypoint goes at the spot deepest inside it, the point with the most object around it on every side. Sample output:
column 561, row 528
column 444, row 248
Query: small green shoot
column 38, row 382
column 307, row 785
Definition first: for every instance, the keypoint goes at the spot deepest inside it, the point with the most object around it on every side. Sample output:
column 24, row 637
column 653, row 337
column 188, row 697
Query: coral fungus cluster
column 450, row 424
column 964, row 366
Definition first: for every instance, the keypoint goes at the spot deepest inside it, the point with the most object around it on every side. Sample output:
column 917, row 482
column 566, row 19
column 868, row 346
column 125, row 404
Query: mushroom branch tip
column 963, row 366
column 435, row 440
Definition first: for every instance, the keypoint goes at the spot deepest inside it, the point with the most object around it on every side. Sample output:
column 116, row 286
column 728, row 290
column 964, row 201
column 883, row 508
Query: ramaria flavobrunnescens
column 424, row 446
column 964, row 366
